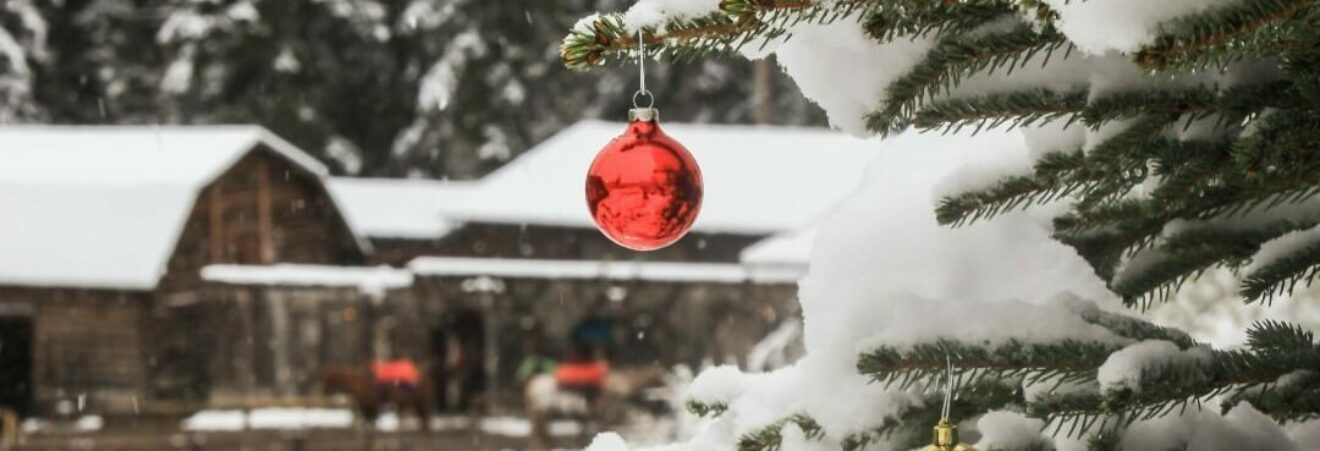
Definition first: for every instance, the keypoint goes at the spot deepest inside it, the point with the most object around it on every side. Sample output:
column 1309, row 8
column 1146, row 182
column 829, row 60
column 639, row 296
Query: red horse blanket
column 584, row 374
column 402, row 371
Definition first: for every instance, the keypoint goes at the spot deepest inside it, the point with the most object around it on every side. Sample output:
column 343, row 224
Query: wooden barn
column 158, row 268
column 102, row 235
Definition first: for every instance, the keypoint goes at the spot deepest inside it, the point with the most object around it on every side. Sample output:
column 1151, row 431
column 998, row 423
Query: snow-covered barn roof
column 393, row 208
column 381, row 278
column 103, row 206
column 600, row 269
column 367, row 279
column 789, row 249
column 758, row 179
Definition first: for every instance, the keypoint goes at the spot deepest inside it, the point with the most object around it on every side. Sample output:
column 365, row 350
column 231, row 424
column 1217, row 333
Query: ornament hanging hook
column 642, row 93
column 948, row 387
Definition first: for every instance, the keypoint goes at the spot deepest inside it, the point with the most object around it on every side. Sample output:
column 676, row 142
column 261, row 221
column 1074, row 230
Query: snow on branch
column 1161, row 114
column 679, row 28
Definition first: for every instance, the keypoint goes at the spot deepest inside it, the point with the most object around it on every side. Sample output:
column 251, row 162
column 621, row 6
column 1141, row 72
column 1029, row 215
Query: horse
column 369, row 398
column 623, row 389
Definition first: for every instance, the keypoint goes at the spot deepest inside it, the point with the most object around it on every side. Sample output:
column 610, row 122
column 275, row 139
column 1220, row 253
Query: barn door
column 16, row 364
column 459, row 347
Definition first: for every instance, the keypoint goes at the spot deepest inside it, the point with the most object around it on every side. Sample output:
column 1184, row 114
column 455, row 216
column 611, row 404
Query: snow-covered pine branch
column 1165, row 139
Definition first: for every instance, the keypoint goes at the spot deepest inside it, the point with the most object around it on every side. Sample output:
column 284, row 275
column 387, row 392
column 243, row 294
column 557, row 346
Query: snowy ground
column 317, row 428
column 321, row 418
column 333, row 429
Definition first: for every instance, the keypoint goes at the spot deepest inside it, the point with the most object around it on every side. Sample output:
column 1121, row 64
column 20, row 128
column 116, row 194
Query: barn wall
column 456, row 327
column 87, row 347
column 653, row 322
column 312, row 328
column 243, row 343
column 261, row 210
column 532, row 241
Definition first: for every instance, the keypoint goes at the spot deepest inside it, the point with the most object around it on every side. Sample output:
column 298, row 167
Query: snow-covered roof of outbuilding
column 399, row 208
column 789, row 249
column 758, row 179
column 103, row 206
column 600, row 269
column 367, row 279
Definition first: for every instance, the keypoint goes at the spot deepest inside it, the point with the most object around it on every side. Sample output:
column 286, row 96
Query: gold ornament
column 946, row 438
column 946, row 433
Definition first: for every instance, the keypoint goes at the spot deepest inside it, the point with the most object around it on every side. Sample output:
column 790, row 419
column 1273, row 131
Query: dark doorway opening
column 16, row 364
column 460, row 372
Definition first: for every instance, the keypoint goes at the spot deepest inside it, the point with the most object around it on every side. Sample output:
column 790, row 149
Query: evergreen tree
column 428, row 88
column 22, row 41
column 1192, row 149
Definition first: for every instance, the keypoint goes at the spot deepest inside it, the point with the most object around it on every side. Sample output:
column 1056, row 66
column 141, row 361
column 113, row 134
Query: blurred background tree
column 422, row 88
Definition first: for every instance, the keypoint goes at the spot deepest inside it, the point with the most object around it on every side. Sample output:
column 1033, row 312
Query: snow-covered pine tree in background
column 22, row 38
column 1177, row 135
column 428, row 88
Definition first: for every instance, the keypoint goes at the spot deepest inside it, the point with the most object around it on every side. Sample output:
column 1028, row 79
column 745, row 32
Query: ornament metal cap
column 946, row 433
column 643, row 114
column 946, row 438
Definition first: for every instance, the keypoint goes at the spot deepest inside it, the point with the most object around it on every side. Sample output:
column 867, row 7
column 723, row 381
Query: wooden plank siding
column 265, row 342
column 262, row 210
column 88, row 346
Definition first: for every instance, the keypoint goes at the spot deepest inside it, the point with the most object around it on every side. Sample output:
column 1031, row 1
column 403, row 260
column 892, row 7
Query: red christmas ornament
column 644, row 188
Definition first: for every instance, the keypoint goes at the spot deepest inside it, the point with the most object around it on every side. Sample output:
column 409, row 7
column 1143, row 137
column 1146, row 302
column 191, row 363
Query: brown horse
column 369, row 398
